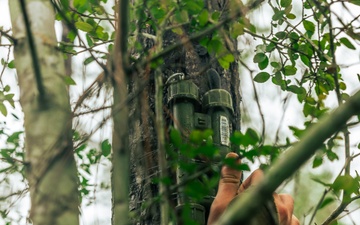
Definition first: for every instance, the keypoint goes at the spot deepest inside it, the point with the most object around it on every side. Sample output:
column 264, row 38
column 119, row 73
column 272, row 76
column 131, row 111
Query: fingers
column 294, row 221
column 227, row 190
column 285, row 206
column 253, row 179
column 284, row 203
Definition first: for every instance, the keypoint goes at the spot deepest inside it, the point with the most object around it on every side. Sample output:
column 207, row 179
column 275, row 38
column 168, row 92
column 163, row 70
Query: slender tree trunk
column 121, row 153
column 51, row 168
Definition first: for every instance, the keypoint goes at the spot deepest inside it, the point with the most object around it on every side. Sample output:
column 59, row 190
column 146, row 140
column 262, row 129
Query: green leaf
column 88, row 60
column 3, row 109
column 262, row 77
column 215, row 46
column 106, row 148
column 215, row 16
column 262, row 65
column 69, row 81
column 294, row 36
column 317, row 161
column 237, row 136
column 285, row 3
column 346, row 183
column 194, row 6
column 224, row 64
column 89, row 40
column 297, row 132
column 175, row 137
column 158, row 13
column 81, row 5
column 309, row 27
column 281, row 34
column 237, row 30
column 226, row 60
column 356, row 2
column 332, row 155
column 9, row 97
column 326, row 202
column 276, row 65
column 259, row 57
column 295, row 89
column 83, row 26
column 270, row 47
column 278, row 14
column 71, row 35
column 342, row 86
column 347, row 43
column 11, row 64
column 229, row 57
column 7, row 88
column 196, row 137
column 14, row 138
column 305, row 60
column 290, row 16
column 251, row 137
column 203, row 17
column 64, row 3
column 178, row 31
column 289, row 70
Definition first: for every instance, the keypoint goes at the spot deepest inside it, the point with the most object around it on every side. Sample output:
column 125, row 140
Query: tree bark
column 51, row 169
column 193, row 60
column 121, row 153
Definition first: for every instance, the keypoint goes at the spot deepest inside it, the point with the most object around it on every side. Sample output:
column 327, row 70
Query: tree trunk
column 193, row 60
column 51, row 169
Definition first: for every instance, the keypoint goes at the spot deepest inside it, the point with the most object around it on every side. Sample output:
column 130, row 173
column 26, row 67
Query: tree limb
column 291, row 161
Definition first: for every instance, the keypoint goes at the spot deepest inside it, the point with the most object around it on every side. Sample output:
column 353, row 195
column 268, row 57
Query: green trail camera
column 213, row 110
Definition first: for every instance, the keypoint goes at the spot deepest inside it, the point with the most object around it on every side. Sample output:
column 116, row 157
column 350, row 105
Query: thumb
column 229, row 180
column 227, row 190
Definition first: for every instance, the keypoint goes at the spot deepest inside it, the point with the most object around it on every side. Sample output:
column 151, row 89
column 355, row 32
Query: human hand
column 230, row 187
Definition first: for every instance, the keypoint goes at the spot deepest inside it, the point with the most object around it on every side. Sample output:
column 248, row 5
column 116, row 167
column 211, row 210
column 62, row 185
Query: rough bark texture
column 51, row 169
column 193, row 60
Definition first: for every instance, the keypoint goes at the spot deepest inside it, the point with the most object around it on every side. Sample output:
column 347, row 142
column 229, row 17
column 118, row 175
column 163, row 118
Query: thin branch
column 4, row 66
column 318, row 205
column 343, row 204
column 256, row 96
column 5, row 34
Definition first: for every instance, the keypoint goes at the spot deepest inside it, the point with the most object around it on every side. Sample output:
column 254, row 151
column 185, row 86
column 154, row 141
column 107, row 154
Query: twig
column 257, row 102
column 318, row 205
column 5, row 34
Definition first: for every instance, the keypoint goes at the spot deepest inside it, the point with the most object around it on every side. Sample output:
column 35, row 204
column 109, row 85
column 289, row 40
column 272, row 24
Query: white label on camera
column 224, row 131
